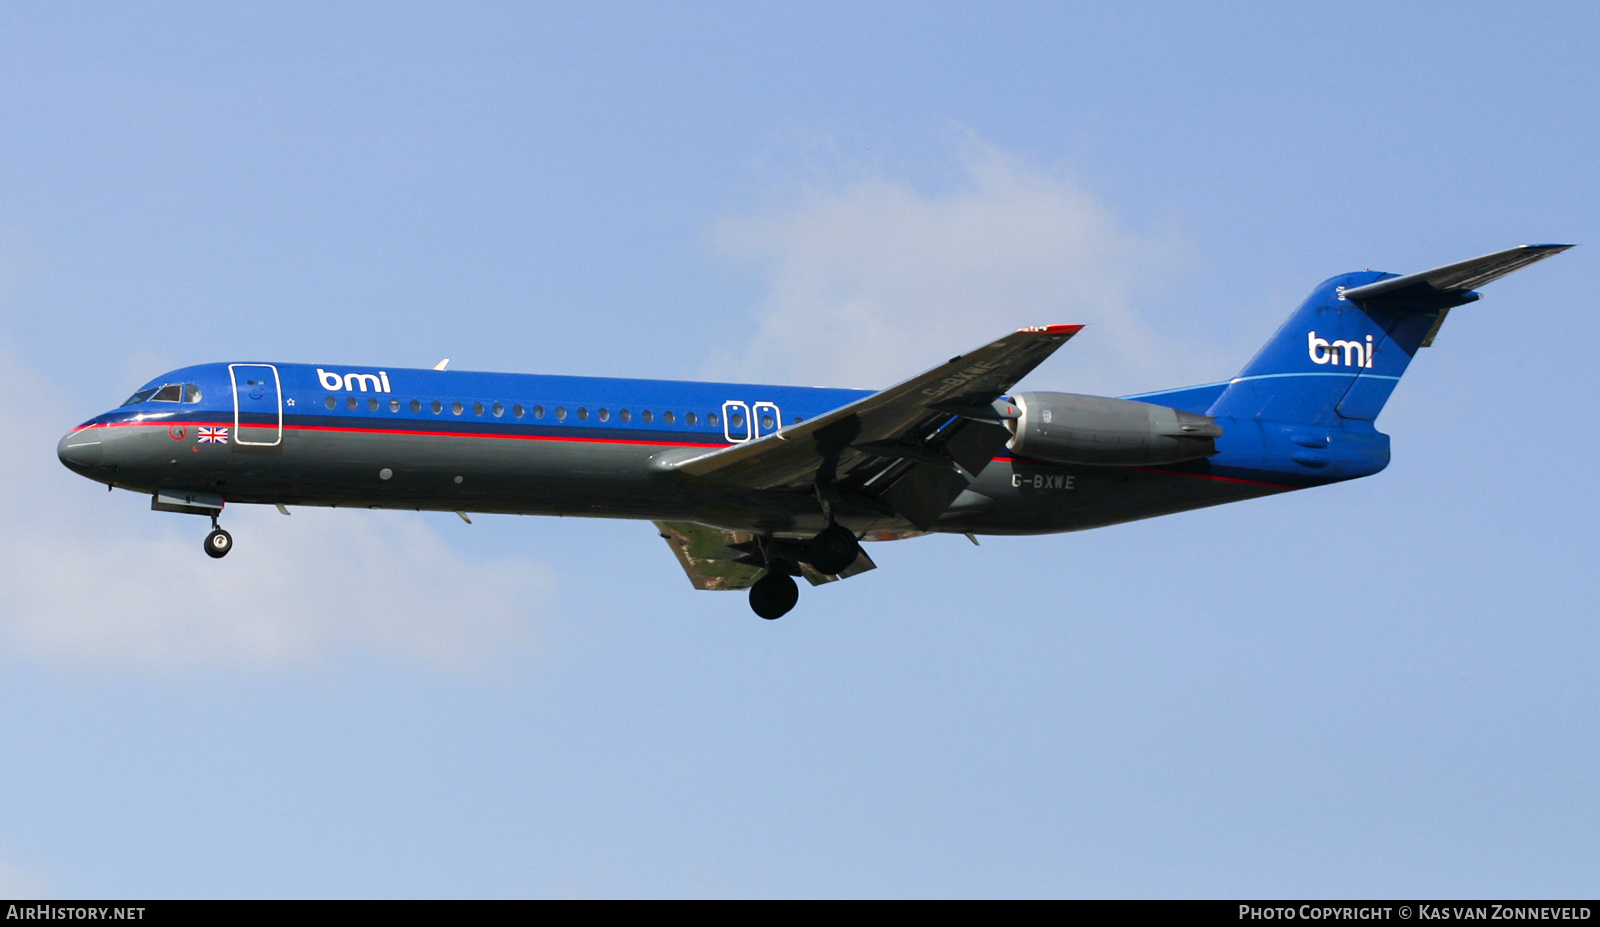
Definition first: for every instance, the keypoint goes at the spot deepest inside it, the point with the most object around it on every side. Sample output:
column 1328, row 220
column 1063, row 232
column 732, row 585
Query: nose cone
column 81, row 450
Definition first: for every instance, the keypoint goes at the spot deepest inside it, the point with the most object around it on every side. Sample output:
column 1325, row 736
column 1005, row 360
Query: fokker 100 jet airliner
column 753, row 485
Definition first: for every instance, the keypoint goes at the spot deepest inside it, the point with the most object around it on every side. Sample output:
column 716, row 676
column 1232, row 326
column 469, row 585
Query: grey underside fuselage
column 611, row 480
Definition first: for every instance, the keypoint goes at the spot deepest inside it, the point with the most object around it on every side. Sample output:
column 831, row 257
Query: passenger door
column 257, row 405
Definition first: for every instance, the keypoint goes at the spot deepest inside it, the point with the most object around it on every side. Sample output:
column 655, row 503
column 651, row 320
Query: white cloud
column 88, row 579
column 873, row 280
column 16, row 883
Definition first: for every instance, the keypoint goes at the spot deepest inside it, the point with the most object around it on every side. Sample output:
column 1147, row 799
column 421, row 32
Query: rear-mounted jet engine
column 1098, row 431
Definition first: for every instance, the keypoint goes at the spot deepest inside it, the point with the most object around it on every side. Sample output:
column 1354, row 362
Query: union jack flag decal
column 213, row 436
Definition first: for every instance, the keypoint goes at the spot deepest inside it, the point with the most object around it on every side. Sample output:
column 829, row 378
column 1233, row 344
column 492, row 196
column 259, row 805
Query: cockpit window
column 170, row 392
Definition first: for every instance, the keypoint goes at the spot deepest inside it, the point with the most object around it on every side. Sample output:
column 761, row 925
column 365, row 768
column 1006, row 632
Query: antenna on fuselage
column 442, row 364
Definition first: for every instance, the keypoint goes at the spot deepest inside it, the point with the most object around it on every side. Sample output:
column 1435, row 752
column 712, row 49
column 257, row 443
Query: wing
column 718, row 559
column 908, row 450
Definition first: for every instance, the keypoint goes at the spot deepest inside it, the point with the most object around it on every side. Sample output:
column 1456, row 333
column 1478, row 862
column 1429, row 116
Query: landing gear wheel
column 833, row 550
column 218, row 543
column 773, row 595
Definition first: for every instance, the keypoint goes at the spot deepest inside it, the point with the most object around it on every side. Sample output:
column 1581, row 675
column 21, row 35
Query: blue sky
column 1380, row 688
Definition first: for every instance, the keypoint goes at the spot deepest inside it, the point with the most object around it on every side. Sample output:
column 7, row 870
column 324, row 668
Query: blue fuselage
column 526, row 444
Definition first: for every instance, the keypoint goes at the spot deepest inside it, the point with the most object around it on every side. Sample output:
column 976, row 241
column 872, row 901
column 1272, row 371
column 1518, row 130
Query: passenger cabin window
column 767, row 424
column 668, row 417
column 331, row 402
column 561, row 413
column 350, row 403
column 455, row 407
column 538, row 411
column 625, row 415
column 437, row 408
column 170, row 393
column 603, row 415
column 646, row 416
column 416, row 405
column 499, row 410
column 477, row 408
column 583, row 414
column 394, row 405
column 689, row 419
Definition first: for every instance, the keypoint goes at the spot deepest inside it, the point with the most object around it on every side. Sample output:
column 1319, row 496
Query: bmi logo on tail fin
column 1323, row 351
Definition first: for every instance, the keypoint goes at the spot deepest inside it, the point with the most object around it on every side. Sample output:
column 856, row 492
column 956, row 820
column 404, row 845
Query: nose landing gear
column 218, row 542
column 185, row 502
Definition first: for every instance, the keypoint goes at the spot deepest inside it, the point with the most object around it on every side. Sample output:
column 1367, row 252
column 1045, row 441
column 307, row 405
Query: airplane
column 754, row 485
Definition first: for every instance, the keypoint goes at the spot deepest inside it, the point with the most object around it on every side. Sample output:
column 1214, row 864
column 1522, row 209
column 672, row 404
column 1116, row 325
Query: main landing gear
column 774, row 594
column 831, row 552
column 218, row 542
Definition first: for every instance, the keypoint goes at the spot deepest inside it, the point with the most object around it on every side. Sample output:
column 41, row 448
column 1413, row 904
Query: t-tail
column 1333, row 364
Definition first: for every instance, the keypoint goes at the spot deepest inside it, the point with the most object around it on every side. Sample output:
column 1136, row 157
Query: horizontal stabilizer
column 1460, row 277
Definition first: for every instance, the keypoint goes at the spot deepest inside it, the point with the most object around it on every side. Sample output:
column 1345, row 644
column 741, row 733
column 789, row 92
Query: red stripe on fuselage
column 474, row 434
column 584, row 440
column 1213, row 476
column 1198, row 476
column 404, row 431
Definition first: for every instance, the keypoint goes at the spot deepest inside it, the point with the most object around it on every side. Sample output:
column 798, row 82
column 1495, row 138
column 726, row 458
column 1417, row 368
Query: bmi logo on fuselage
column 363, row 382
column 1339, row 353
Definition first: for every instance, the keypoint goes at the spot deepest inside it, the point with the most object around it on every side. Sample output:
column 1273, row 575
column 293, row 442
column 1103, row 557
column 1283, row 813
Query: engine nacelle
column 1101, row 431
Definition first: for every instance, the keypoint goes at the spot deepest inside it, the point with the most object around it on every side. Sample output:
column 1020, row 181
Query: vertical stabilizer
column 1339, row 356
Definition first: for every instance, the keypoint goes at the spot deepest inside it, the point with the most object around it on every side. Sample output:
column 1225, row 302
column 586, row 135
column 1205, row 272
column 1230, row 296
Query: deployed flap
column 1460, row 277
column 717, row 559
column 892, row 426
column 709, row 556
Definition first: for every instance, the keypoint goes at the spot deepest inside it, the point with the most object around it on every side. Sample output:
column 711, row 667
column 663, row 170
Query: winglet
column 442, row 364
